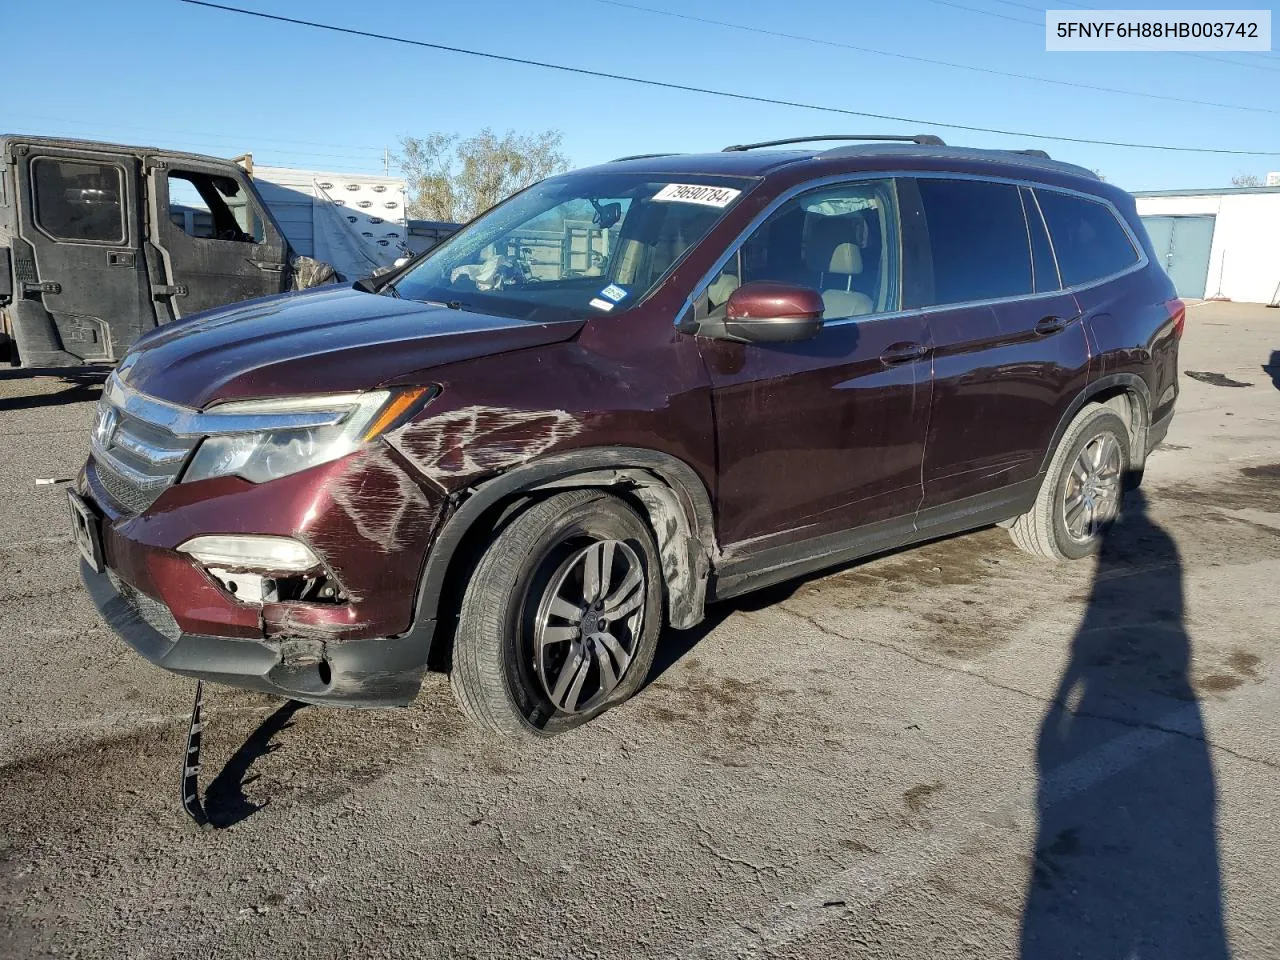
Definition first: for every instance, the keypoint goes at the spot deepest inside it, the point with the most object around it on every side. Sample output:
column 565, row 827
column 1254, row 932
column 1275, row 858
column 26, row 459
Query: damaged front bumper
column 381, row 672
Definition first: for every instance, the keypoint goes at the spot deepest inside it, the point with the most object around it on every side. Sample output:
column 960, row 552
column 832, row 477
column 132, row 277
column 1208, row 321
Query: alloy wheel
column 1091, row 495
column 588, row 624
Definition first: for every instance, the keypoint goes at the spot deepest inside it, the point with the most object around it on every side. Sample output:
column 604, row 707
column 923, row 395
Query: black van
column 100, row 243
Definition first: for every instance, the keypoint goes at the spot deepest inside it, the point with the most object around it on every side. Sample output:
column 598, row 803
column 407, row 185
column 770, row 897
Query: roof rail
column 642, row 156
column 1038, row 154
column 923, row 139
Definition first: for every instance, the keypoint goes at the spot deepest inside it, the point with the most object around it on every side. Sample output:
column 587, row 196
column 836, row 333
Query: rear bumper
column 1158, row 431
column 384, row 672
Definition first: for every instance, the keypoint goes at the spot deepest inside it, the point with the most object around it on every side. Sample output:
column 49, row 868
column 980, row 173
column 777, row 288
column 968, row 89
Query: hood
column 333, row 339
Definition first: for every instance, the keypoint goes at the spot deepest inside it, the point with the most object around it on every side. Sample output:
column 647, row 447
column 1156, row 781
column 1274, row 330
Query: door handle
column 1052, row 324
column 903, row 353
column 268, row 266
column 121, row 258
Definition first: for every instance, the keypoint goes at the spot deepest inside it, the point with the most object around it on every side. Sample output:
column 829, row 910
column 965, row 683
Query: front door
column 1010, row 350
column 828, row 434
column 216, row 241
column 80, row 214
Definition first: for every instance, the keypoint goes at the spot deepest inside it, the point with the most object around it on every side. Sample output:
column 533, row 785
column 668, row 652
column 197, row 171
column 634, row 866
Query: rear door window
column 1089, row 241
column 977, row 239
column 79, row 200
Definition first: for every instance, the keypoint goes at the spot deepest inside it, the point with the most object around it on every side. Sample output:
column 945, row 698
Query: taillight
column 1178, row 314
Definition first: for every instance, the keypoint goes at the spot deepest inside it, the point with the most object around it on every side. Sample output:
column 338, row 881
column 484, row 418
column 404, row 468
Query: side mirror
column 767, row 312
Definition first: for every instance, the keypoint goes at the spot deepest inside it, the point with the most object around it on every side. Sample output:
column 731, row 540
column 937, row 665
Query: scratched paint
column 478, row 440
column 384, row 504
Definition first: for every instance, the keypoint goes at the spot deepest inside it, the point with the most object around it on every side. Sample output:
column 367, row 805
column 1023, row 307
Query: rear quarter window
column 1087, row 238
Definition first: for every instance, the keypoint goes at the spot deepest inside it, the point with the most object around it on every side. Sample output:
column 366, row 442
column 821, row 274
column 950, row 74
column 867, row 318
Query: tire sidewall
column 602, row 518
column 1100, row 422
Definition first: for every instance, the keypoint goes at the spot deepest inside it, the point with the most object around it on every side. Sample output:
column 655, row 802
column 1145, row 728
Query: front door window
column 212, row 208
column 840, row 240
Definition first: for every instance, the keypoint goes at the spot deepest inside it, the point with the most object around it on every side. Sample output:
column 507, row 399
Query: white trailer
column 354, row 221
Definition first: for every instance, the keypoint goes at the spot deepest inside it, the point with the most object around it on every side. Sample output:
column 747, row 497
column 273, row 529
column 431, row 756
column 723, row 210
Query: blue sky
column 219, row 83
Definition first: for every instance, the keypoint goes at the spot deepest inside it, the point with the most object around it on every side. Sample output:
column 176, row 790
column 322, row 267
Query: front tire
column 1081, row 494
column 561, row 618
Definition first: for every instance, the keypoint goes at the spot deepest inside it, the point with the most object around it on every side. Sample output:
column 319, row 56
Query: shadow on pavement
column 81, row 384
column 225, row 802
column 1126, row 857
column 1272, row 368
column 675, row 645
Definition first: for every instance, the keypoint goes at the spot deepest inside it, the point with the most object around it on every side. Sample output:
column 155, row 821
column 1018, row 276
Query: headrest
column 845, row 258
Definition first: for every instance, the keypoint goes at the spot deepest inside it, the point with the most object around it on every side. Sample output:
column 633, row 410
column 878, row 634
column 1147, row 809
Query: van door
column 1009, row 350
column 79, row 212
column 217, row 243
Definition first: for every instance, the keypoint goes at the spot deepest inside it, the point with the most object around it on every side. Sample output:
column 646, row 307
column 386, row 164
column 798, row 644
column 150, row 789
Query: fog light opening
column 325, row 671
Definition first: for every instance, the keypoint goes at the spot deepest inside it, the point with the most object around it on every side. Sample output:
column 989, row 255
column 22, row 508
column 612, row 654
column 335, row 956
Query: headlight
column 261, row 440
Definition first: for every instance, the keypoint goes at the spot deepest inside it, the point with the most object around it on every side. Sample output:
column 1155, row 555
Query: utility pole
column 386, row 161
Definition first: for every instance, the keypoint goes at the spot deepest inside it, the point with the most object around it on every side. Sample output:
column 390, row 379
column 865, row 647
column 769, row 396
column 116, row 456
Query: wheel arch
column 665, row 490
column 1129, row 396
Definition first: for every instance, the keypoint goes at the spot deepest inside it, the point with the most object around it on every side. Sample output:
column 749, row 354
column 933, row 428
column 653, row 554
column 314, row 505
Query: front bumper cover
column 384, row 672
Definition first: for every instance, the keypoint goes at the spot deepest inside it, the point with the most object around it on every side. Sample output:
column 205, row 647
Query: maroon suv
column 618, row 396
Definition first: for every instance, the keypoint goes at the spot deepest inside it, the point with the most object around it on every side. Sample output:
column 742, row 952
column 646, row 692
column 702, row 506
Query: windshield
column 574, row 246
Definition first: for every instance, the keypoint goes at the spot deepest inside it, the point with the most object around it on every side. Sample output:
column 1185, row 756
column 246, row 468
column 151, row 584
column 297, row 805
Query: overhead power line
column 268, row 157
column 205, row 135
column 667, row 85
column 917, row 59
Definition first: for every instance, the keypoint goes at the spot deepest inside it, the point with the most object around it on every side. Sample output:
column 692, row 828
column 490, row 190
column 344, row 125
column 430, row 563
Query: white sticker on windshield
column 614, row 292
column 600, row 304
column 693, row 193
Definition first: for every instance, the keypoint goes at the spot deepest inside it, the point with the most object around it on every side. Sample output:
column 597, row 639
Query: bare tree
column 456, row 179
column 1246, row 180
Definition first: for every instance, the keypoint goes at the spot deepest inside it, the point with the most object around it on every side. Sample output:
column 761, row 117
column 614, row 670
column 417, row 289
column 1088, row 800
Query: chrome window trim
column 792, row 192
column 1053, row 251
column 189, row 423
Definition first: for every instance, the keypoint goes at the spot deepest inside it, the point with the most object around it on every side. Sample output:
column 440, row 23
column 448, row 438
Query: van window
column 212, row 208
column 1089, row 241
column 977, row 239
column 840, row 240
column 79, row 200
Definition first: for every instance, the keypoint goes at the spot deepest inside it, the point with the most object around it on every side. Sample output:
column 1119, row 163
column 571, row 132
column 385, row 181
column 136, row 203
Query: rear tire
column 561, row 618
column 1081, row 494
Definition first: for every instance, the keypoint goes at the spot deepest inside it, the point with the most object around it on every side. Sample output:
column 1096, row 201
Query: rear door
column 825, row 435
column 217, row 243
column 79, row 211
column 1009, row 350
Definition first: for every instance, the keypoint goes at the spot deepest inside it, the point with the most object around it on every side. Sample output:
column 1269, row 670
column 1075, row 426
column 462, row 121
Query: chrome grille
column 131, row 499
column 135, row 459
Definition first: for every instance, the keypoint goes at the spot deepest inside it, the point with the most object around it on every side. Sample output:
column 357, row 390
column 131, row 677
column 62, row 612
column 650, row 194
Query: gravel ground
column 953, row 751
